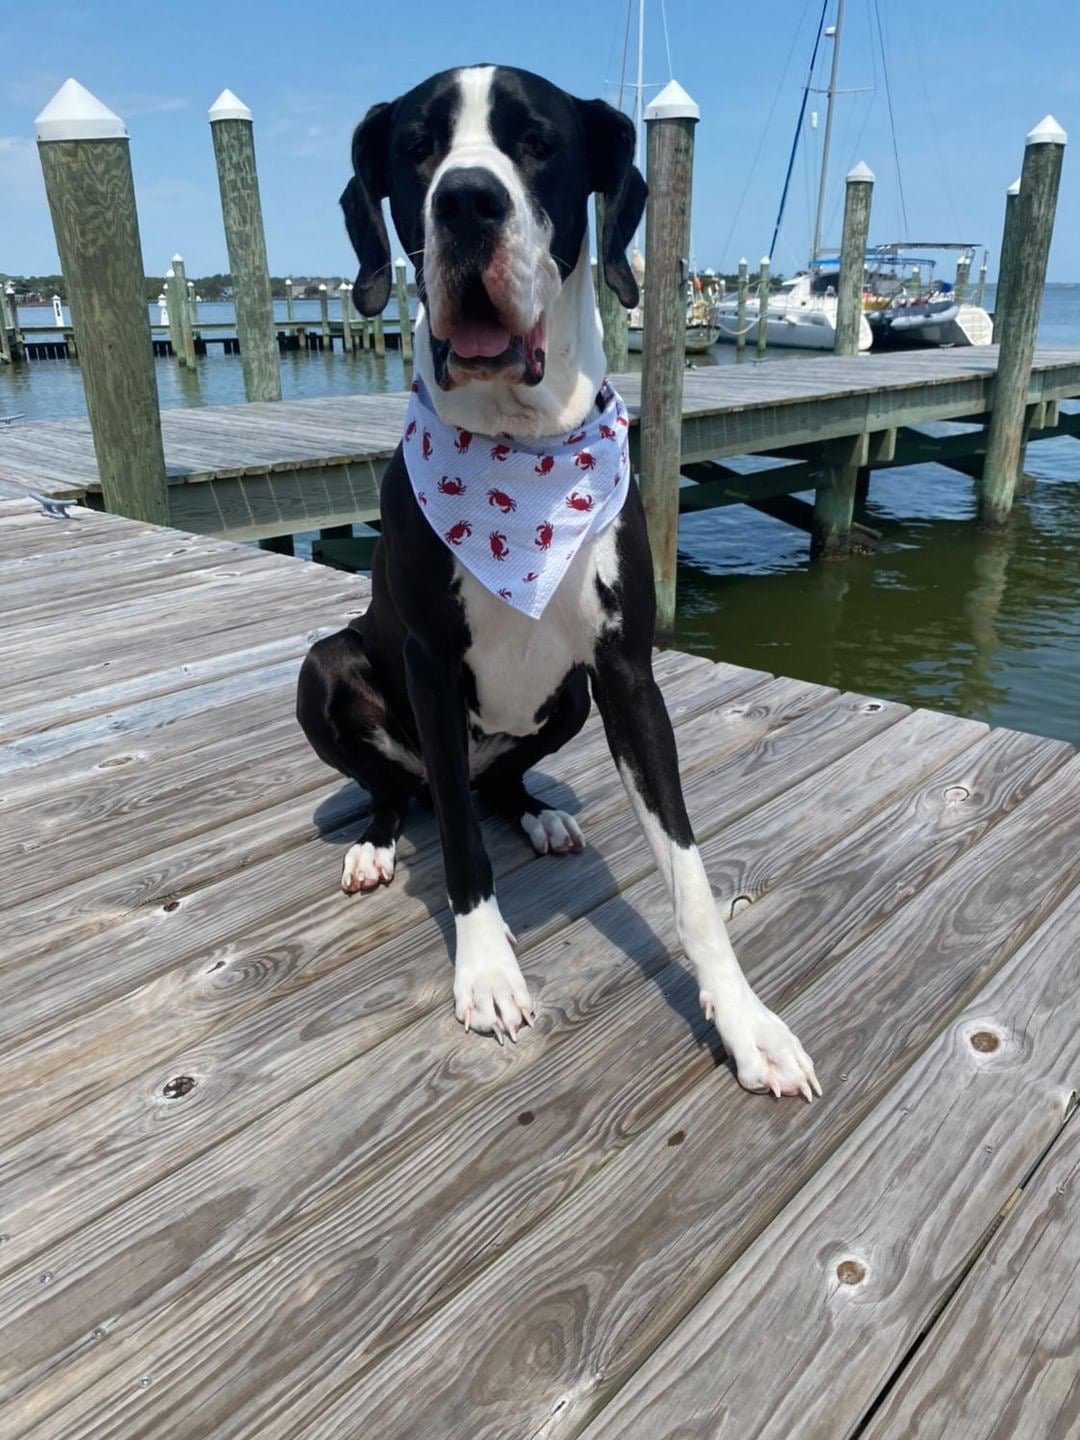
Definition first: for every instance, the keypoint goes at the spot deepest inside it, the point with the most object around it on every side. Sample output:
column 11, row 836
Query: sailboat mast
column 828, row 129
column 638, row 108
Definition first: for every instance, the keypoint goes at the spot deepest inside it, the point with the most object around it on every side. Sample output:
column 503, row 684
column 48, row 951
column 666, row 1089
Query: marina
column 224, row 1075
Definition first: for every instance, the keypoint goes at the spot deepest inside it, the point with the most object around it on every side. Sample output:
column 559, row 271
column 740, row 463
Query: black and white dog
column 488, row 171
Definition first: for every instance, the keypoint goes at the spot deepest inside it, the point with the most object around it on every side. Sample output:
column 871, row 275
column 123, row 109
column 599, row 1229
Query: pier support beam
column 669, row 123
column 613, row 315
column 404, row 318
column 324, row 317
column 858, row 194
column 740, row 309
column 834, row 499
column 1036, row 204
column 5, row 326
column 1005, row 259
column 234, row 151
column 86, row 162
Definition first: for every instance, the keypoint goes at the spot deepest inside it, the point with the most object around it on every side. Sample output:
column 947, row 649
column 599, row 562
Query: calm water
column 940, row 617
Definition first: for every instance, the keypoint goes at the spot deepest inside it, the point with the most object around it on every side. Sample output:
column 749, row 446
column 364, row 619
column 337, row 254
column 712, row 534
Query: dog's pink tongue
column 474, row 338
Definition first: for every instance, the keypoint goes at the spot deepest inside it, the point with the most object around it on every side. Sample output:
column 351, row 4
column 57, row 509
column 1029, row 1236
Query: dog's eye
column 419, row 148
column 537, row 144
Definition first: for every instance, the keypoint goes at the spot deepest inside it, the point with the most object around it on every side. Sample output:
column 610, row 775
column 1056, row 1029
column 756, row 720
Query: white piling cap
column 74, row 114
column 399, row 262
column 764, row 260
column 170, row 274
column 344, row 285
column 178, row 259
column 1047, row 132
column 289, row 280
column 744, row 261
column 228, row 106
column 1014, row 188
column 322, row 287
column 861, row 172
column 673, row 103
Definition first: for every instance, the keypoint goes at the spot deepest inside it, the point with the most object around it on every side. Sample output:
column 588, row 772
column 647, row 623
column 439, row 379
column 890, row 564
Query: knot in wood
column 955, row 793
column 850, row 1272
column 178, row 1087
column 985, row 1041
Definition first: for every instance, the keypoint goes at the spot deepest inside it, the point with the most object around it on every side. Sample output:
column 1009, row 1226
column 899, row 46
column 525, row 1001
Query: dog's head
column 488, row 171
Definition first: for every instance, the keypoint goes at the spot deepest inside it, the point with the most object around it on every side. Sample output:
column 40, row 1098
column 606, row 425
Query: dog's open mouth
column 480, row 345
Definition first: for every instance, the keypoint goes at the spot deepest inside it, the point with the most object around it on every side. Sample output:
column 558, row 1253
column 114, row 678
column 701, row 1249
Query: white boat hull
column 789, row 328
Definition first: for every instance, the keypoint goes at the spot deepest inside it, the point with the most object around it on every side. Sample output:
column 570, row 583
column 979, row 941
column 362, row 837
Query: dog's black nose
column 469, row 200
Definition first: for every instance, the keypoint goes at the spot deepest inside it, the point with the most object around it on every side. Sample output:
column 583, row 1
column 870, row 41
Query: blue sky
column 967, row 83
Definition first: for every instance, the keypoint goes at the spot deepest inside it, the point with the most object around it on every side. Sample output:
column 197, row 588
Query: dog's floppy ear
column 609, row 150
column 361, row 201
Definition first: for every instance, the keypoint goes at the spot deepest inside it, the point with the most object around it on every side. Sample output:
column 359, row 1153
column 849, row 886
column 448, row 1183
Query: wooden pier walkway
column 256, row 1181
column 258, row 470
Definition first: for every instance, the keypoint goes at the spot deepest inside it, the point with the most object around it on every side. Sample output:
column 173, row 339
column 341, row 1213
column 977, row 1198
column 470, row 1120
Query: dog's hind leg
column 501, row 786
column 344, row 715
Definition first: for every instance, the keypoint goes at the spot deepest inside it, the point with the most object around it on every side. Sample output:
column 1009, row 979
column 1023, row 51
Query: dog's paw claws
column 367, row 866
column 554, row 832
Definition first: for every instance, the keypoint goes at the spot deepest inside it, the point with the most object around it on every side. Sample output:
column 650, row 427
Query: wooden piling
column 288, row 303
column 1005, row 259
column 763, row 306
column 980, row 284
column 613, row 317
column 16, row 342
column 324, row 318
column 172, row 308
column 740, row 309
column 379, row 340
column 669, row 124
column 86, row 163
column 346, row 318
column 1036, row 204
column 187, row 333
column 834, row 499
column 858, row 195
column 960, row 283
column 5, row 326
column 234, row 151
column 404, row 318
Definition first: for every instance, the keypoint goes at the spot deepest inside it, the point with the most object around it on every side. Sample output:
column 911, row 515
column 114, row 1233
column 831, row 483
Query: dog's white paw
column 767, row 1056
column 553, row 832
column 490, row 994
column 367, row 866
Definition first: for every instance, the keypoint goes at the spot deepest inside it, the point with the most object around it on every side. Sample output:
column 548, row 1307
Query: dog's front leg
column 767, row 1056
column 490, row 993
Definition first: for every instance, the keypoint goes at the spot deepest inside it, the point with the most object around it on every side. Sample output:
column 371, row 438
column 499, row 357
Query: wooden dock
column 255, row 1179
column 259, row 470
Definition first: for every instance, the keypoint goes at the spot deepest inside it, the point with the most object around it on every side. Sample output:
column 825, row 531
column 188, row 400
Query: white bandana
column 516, row 512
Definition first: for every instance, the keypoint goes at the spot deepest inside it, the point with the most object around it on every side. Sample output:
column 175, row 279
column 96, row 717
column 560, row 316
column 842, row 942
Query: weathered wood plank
column 857, row 1266
column 622, row 1261
column 609, row 985
column 1001, row 1361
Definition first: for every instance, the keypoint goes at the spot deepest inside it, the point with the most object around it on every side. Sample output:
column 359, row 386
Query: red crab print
column 531, row 576
column 410, row 429
column 455, row 486
column 584, row 461
column 463, row 441
column 426, row 446
column 502, row 500
column 580, row 502
column 500, row 452
column 457, row 533
column 506, row 594
column 545, row 465
column 576, row 438
column 607, row 432
column 622, row 420
column 499, row 547
column 544, row 533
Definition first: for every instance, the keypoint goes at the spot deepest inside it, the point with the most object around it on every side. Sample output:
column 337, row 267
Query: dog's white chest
column 518, row 663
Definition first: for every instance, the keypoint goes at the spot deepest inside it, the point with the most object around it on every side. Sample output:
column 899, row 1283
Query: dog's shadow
column 341, row 817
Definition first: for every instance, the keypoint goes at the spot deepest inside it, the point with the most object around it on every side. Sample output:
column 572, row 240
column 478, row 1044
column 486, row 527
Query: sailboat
column 896, row 310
